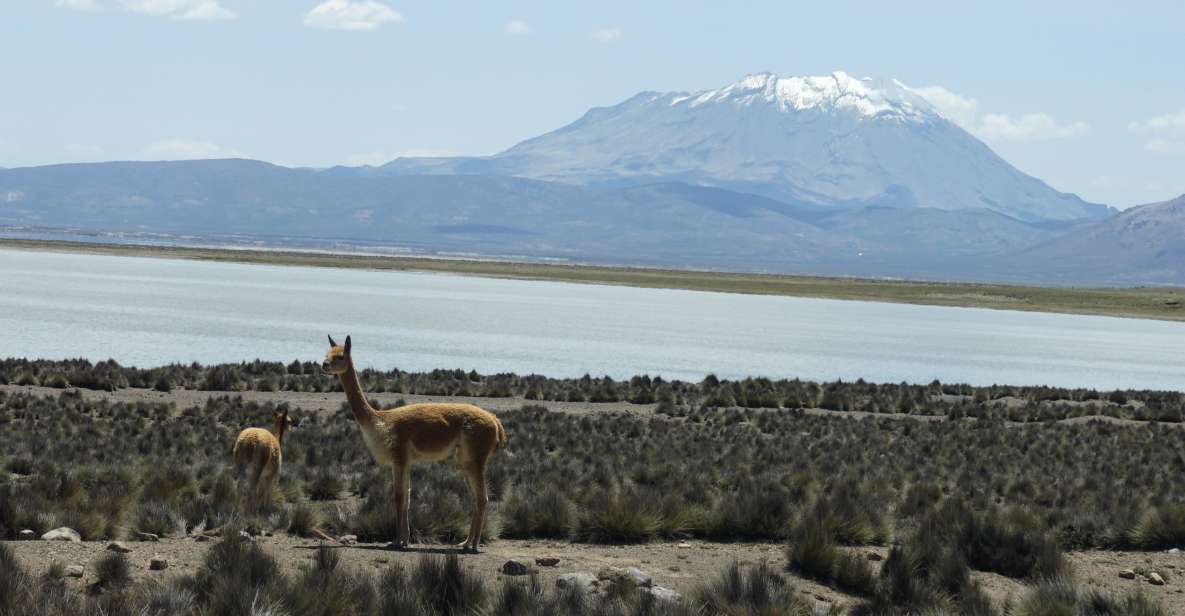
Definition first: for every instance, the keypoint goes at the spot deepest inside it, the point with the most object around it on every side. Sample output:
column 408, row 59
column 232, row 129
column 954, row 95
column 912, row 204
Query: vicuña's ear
column 331, row 342
column 347, row 344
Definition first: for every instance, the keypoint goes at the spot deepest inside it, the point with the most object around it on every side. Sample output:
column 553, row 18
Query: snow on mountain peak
column 868, row 97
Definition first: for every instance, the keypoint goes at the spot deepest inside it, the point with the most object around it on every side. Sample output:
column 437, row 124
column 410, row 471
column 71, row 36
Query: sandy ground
column 680, row 567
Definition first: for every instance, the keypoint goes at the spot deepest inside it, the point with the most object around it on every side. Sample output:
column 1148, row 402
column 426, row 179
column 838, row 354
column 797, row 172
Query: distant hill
column 832, row 141
column 1144, row 244
column 665, row 224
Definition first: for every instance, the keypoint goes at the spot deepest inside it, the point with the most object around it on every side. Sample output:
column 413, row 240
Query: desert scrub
column 718, row 474
column 1021, row 404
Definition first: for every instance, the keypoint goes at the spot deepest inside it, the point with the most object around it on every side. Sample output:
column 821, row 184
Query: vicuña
column 405, row 435
column 257, row 459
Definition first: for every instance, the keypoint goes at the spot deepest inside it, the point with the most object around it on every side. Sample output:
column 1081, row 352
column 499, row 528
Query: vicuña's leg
column 403, row 505
column 264, row 487
column 249, row 489
column 475, row 474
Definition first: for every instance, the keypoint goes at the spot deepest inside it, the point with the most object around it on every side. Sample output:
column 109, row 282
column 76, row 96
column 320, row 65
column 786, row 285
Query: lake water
column 147, row 312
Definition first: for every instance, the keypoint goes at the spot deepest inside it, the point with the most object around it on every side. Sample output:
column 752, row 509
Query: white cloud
column 186, row 149
column 78, row 5
column 965, row 112
column 1167, row 122
column 358, row 15
column 958, row 109
column 608, row 35
column 197, row 10
column 1166, row 133
column 1028, row 127
column 516, row 27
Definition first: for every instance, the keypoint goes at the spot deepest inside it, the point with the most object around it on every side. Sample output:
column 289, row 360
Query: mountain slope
column 1144, row 244
column 665, row 224
column 831, row 141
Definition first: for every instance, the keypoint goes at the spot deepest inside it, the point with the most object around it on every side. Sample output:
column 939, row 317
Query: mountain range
column 822, row 175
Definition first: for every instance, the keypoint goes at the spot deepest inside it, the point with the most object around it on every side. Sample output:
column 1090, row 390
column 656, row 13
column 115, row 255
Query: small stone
column 1174, row 550
column 683, row 545
column 1127, row 574
column 148, row 536
column 63, row 534
column 663, row 594
column 245, row 536
column 202, row 538
column 875, row 557
column 26, row 535
column 118, row 546
column 641, row 578
column 1155, row 579
column 158, row 564
column 348, row 539
column 514, row 567
column 74, row 571
column 547, row 561
column 581, row 581
column 674, row 569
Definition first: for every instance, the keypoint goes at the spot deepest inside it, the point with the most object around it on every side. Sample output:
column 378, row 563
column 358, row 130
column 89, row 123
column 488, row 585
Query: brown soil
column 672, row 566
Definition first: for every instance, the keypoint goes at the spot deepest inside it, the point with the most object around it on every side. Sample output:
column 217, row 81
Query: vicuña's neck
column 280, row 432
column 362, row 410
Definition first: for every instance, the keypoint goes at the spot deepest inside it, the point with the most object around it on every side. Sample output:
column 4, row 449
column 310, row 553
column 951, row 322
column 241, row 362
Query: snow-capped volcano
column 838, row 91
column 826, row 142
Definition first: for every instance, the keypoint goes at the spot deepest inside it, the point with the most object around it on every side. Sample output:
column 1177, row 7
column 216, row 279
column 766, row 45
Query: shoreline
column 1158, row 303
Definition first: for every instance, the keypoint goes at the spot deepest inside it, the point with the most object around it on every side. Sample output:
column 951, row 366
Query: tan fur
column 258, row 456
column 428, row 432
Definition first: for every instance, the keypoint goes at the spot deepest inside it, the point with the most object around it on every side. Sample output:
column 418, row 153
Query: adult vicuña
column 257, row 459
column 404, row 435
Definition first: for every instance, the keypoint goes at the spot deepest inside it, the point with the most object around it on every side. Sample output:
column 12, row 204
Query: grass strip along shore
column 1166, row 303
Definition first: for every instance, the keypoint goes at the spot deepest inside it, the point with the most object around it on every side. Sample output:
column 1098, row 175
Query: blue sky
column 1089, row 96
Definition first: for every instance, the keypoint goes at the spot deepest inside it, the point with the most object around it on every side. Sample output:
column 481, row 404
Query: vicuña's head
column 281, row 418
column 337, row 360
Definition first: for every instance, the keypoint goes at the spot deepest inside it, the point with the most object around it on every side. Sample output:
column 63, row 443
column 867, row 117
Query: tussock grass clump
column 112, row 571
column 14, row 582
column 617, row 517
column 812, row 553
column 303, row 519
column 759, row 590
column 325, row 485
column 326, row 590
column 1058, row 595
column 446, row 587
column 544, row 512
column 1160, row 528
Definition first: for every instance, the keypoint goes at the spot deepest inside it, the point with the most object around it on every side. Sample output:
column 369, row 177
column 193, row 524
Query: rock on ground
column 582, row 581
column 63, row 534
column 118, row 546
column 514, row 567
column 663, row 594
